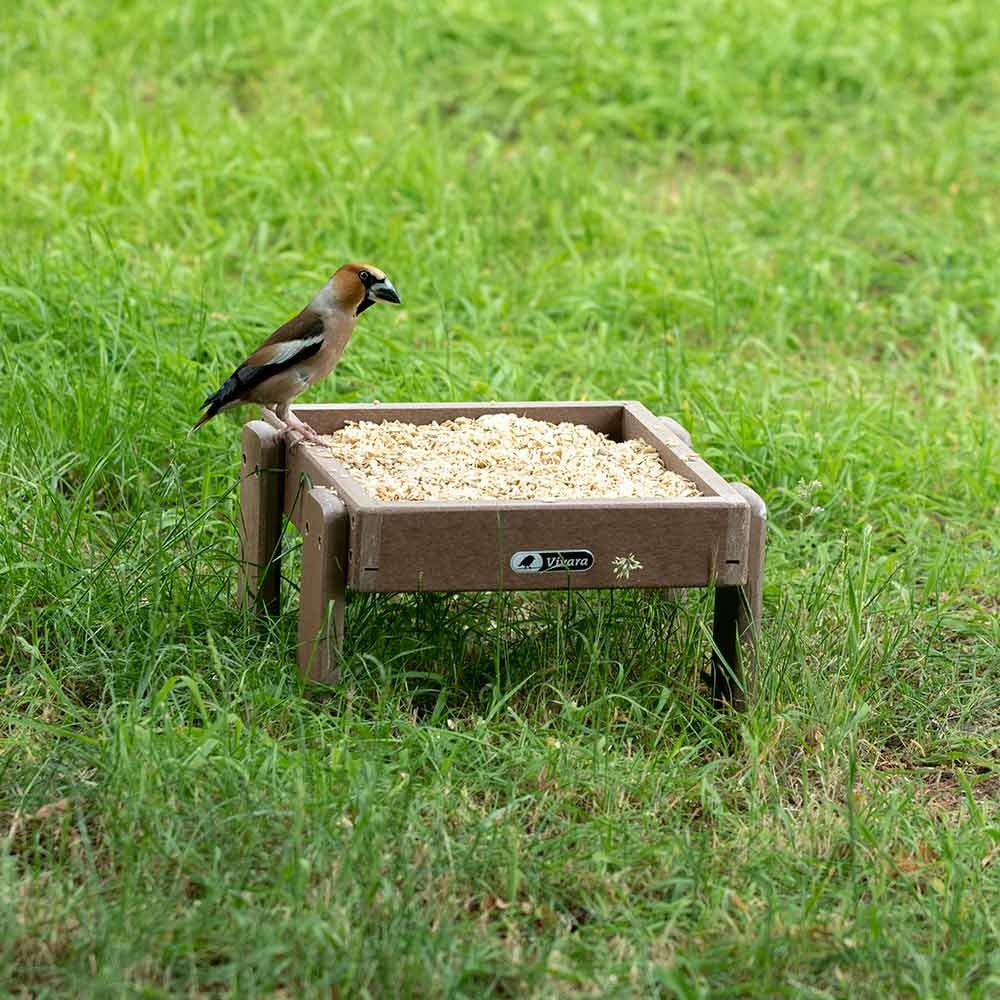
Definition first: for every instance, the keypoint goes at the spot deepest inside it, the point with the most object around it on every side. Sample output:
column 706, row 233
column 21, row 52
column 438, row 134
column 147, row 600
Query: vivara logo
column 552, row 561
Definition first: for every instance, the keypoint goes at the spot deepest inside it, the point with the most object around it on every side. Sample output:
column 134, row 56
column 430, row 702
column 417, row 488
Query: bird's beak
column 384, row 292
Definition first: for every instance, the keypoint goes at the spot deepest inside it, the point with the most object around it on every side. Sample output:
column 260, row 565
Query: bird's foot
column 301, row 428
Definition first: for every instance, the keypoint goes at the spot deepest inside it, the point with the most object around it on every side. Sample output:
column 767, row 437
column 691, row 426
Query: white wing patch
column 290, row 349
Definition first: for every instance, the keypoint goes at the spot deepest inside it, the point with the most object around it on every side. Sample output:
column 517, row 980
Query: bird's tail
column 203, row 419
column 212, row 406
column 228, row 394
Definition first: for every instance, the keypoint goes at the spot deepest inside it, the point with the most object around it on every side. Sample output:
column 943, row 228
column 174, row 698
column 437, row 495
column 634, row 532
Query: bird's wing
column 305, row 325
column 300, row 338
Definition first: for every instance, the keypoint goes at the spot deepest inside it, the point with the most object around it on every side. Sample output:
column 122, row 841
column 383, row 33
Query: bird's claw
column 298, row 433
column 297, row 438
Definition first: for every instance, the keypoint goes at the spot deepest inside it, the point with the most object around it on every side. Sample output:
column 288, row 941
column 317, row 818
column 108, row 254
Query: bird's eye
column 364, row 276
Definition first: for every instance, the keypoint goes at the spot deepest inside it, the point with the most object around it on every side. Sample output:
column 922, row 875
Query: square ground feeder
column 352, row 541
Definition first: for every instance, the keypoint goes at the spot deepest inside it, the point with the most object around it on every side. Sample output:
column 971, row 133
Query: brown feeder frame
column 351, row 541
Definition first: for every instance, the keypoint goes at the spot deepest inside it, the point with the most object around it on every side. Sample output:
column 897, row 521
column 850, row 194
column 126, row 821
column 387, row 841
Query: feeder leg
column 752, row 608
column 738, row 611
column 262, row 485
column 727, row 675
column 324, row 521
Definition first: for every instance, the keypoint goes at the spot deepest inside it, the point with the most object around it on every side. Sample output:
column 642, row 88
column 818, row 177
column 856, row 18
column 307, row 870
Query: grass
column 777, row 222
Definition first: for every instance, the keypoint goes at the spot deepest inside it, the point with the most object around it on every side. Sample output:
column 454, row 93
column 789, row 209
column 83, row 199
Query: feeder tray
column 352, row 541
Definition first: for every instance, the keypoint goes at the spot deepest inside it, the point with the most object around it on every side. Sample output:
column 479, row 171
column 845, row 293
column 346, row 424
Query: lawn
column 777, row 222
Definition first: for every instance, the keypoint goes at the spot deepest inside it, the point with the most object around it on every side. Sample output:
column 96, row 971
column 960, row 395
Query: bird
column 304, row 350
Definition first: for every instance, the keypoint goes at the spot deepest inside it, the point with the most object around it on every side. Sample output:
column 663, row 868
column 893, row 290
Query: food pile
column 500, row 456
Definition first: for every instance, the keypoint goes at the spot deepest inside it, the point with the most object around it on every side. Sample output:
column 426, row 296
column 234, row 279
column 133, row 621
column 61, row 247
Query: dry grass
column 500, row 456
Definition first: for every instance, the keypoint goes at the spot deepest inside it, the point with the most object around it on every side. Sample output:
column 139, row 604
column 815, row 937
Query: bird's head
column 355, row 287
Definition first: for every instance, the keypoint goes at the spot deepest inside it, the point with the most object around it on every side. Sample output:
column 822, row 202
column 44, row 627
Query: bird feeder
column 352, row 541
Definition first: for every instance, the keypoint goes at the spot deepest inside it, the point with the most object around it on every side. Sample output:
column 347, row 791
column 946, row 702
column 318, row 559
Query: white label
column 552, row 561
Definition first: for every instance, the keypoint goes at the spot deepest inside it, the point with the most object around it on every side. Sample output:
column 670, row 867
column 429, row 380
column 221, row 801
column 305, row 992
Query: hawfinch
column 304, row 350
